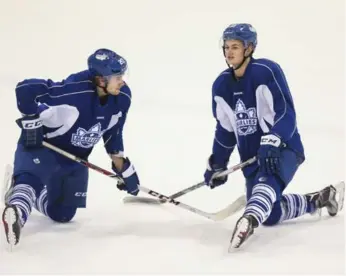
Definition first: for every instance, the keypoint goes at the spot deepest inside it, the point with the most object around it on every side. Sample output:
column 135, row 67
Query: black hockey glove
column 269, row 154
column 32, row 131
column 211, row 171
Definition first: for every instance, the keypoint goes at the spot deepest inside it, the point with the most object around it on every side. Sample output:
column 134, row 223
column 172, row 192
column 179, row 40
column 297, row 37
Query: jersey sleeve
column 29, row 91
column 113, row 138
column 284, row 121
column 224, row 138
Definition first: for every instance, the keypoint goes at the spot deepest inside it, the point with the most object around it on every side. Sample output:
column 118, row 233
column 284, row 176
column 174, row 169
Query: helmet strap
column 243, row 61
column 104, row 88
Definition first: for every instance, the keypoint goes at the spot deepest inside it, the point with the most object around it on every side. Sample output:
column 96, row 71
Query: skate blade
column 7, row 181
column 340, row 189
column 237, row 240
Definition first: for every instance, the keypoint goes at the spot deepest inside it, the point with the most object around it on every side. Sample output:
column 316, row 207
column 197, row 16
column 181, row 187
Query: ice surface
column 173, row 52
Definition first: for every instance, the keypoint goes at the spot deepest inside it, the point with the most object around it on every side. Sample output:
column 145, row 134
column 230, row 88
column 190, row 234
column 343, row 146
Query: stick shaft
column 141, row 188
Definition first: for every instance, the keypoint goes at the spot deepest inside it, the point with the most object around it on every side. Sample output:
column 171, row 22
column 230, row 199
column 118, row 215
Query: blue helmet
column 105, row 62
column 243, row 32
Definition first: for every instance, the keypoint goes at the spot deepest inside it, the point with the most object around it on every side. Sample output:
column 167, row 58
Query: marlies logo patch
column 102, row 57
column 87, row 138
column 246, row 119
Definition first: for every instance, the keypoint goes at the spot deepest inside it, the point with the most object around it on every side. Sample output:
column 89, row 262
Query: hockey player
column 254, row 110
column 73, row 114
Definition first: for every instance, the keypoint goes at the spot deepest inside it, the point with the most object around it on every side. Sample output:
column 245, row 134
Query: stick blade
column 145, row 200
column 231, row 209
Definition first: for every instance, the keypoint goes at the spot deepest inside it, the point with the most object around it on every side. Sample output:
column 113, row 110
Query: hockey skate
column 11, row 216
column 243, row 230
column 331, row 198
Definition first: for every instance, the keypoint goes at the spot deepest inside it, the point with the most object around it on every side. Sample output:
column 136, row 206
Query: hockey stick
column 160, row 201
column 222, row 214
column 189, row 189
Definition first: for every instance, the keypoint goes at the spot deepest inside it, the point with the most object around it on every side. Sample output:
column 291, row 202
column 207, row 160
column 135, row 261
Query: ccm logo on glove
column 80, row 194
column 31, row 124
column 271, row 140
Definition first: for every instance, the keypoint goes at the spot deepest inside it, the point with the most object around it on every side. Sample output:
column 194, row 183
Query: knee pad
column 30, row 179
column 275, row 215
column 61, row 213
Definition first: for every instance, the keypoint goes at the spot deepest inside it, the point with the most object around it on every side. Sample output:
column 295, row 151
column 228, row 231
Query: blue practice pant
column 66, row 184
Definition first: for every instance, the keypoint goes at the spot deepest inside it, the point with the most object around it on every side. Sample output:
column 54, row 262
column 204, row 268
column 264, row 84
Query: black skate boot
column 11, row 218
column 243, row 230
column 328, row 198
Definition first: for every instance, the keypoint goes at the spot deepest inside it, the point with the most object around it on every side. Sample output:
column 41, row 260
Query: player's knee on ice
column 60, row 213
column 64, row 194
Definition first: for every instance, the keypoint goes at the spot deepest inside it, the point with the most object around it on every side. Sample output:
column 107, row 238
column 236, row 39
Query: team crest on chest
column 246, row 119
column 87, row 138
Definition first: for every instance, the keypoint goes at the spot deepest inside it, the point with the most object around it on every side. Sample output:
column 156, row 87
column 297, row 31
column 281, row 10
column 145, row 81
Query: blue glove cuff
column 127, row 170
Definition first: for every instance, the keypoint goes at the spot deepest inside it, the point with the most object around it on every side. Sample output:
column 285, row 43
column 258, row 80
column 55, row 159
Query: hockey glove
column 130, row 177
column 32, row 131
column 210, row 173
column 269, row 154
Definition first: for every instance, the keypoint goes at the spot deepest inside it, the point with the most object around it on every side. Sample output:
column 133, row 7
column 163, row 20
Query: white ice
column 174, row 56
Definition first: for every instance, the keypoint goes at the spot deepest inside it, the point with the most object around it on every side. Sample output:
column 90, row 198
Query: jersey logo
column 87, row 138
column 246, row 119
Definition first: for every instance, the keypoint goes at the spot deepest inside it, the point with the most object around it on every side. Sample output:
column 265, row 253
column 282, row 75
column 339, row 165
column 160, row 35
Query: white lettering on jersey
column 63, row 117
column 246, row 119
column 87, row 138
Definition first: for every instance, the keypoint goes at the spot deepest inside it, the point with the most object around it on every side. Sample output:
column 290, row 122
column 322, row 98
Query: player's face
column 114, row 84
column 234, row 52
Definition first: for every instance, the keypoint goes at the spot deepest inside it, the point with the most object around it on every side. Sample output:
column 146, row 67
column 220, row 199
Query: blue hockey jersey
column 75, row 120
column 245, row 109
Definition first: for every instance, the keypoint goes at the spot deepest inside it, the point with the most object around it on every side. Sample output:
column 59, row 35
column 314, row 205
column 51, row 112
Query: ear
column 100, row 81
column 249, row 50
